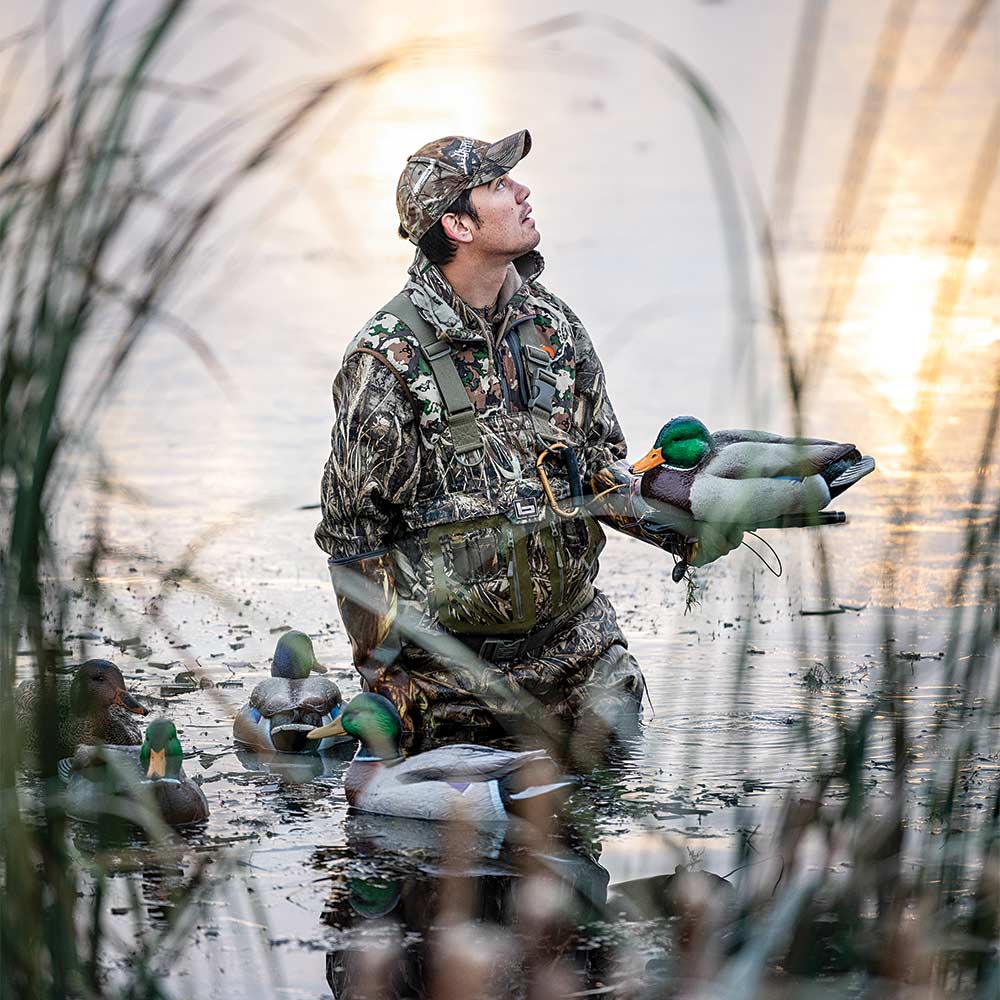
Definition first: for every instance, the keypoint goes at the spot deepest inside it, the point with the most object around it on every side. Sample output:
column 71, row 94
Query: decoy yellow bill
column 334, row 728
column 649, row 461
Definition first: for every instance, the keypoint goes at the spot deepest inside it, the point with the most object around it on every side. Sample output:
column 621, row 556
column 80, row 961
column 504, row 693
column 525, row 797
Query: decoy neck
column 681, row 443
column 374, row 722
column 97, row 685
column 161, row 752
column 294, row 658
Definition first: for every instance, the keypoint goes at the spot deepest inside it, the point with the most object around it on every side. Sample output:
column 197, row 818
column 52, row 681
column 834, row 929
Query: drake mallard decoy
column 288, row 704
column 101, row 779
column 93, row 707
column 745, row 477
column 473, row 783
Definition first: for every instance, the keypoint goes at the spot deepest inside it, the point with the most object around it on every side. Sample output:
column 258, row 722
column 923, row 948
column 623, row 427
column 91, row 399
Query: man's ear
column 457, row 227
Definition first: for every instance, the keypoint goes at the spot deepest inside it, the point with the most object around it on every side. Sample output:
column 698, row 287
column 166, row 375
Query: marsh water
column 213, row 464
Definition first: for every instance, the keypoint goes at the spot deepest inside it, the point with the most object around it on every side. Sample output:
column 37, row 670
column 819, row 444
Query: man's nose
column 521, row 191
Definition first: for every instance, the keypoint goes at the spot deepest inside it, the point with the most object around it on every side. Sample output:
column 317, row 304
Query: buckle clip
column 499, row 650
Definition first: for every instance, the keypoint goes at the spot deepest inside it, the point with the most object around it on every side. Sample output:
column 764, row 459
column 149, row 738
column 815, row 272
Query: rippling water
column 632, row 235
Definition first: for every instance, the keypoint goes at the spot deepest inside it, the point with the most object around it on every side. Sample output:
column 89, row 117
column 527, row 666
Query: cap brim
column 502, row 155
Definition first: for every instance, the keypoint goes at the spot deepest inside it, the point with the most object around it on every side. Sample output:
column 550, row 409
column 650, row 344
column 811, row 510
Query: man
column 442, row 531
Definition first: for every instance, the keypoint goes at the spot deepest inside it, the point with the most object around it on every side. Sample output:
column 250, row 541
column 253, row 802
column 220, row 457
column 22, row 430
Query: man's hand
column 713, row 542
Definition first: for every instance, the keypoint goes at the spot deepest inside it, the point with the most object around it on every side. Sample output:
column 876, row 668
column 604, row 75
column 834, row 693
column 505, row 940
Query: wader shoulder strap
column 459, row 412
column 541, row 380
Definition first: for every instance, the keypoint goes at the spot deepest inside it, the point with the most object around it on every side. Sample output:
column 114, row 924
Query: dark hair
column 438, row 248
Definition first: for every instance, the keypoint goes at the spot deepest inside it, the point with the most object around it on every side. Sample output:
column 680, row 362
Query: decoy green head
column 161, row 752
column 294, row 657
column 97, row 685
column 371, row 719
column 681, row 443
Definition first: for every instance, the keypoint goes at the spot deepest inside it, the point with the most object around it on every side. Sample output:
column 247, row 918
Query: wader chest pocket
column 475, row 556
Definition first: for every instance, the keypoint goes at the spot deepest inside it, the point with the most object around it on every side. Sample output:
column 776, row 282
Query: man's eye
column 500, row 183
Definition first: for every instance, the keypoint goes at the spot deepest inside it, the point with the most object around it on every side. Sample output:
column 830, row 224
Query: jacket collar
column 449, row 314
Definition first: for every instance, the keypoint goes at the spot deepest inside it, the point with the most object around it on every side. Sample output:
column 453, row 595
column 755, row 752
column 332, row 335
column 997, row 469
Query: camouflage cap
column 436, row 174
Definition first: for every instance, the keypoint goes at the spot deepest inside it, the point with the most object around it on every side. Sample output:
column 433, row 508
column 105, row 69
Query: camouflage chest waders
column 490, row 548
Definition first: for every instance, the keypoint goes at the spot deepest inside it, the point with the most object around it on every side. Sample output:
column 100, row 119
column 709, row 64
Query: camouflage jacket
column 394, row 483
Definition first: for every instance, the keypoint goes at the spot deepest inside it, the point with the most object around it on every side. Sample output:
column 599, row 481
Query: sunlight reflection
column 898, row 291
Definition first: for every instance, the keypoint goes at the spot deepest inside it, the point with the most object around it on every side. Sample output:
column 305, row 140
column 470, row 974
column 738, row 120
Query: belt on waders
column 508, row 649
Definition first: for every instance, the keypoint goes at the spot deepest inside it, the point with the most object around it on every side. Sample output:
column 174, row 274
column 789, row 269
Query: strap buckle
column 499, row 650
column 436, row 351
column 543, row 390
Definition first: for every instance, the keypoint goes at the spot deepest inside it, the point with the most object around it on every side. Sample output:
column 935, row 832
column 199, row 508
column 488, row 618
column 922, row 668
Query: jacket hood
column 453, row 318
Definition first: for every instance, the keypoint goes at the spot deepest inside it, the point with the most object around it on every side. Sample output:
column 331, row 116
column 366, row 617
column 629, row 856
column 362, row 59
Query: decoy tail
column 849, row 476
column 532, row 801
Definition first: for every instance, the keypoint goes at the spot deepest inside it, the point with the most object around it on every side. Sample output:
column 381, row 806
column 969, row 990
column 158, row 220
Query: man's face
column 505, row 228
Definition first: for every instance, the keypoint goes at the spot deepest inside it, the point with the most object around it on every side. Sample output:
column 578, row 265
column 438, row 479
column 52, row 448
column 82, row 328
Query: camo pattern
column 437, row 173
column 394, row 481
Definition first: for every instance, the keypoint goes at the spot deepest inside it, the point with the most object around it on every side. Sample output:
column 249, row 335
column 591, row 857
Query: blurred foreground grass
column 900, row 890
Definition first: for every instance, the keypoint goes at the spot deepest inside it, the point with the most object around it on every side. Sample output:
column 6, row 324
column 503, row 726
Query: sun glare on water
column 895, row 319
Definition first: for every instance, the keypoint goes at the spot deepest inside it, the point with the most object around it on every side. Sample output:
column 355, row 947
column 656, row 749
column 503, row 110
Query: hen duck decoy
column 745, row 477
column 476, row 784
column 93, row 707
column 100, row 780
column 284, row 708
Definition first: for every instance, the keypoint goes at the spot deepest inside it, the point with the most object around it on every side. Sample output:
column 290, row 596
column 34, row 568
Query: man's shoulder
column 391, row 339
column 541, row 298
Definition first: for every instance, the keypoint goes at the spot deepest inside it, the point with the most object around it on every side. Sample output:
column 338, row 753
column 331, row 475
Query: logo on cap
column 462, row 154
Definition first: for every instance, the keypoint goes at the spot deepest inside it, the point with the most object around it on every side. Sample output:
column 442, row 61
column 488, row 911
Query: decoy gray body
column 92, row 707
column 475, row 784
column 284, row 708
column 103, row 780
column 744, row 477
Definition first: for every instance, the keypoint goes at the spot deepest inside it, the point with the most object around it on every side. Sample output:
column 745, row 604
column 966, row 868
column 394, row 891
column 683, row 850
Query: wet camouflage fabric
column 437, row 173
column 394, row 481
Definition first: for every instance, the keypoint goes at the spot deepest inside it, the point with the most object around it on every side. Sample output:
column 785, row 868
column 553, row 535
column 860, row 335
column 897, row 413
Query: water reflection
column 418, row 906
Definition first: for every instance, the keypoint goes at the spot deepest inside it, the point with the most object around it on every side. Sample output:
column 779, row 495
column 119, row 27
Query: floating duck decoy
column 285, row 707
column 748, row 478
column 94, row 707
column 476, row 784
column 100, row 779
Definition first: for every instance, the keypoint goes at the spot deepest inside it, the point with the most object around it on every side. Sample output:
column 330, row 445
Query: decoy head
column 681, row 443
column 161, row 752
column 97, row 685
column 294, row 657
column 371, row 719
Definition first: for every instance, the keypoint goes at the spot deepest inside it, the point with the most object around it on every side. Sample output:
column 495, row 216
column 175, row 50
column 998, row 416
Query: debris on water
column 157, row 665
column 139, row 652
column 851, row 607
column 119, row 911
column 754, row 651
column 912, row 654
column 172, row 690
column 280, row 628
column 817, row 676
column 839, row 610
column 236, row 645
column 86, row 636
column 238, row 665
column 230, row 684
column 123, row 644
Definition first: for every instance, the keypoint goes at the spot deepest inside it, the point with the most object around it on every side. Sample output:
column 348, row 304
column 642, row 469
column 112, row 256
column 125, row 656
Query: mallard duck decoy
column 476, row 784
column 288, row 704
column 745, row 477
column 100, row 779
column 94, row 707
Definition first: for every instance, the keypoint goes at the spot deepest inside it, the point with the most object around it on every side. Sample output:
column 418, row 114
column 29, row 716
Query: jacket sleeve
column 372, row 470
column 603, row 440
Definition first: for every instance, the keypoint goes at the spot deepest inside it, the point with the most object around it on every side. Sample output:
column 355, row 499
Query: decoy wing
column 463, row 762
